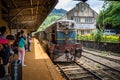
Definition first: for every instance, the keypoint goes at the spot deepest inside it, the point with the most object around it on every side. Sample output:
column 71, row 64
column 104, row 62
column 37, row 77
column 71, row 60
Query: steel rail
column 102, row 64
column 98, row 77
column 114, row 60
column 68, row 78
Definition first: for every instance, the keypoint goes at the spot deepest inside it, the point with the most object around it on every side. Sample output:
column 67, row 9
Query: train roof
column 59, row 21
column 66, row 20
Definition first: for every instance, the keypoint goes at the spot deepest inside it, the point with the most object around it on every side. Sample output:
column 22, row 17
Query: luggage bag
column 16, row 70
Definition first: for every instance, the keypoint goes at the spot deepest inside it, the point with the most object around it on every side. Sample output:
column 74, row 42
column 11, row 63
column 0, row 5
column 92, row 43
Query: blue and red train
column 61, row 38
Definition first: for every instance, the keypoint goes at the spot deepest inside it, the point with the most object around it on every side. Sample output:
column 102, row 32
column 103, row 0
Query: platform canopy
column 26, row 14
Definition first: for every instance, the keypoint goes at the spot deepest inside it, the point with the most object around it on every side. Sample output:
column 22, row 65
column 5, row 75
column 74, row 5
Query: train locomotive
column 61, row 38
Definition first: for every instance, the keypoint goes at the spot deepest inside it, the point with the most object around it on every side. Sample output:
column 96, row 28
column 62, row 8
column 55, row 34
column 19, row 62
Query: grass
column 104, row 53
column 98, row 66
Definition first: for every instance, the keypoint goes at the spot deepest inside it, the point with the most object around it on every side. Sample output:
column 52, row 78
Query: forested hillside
column 52, row 17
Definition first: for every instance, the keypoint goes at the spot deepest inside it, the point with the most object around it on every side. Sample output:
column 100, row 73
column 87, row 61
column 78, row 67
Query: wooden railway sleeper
column 82, row 77
column 83, row 72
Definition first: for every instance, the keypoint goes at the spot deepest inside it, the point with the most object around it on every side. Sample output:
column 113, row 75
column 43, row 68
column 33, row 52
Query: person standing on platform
column 23, row 35
column 3, row 32
column 21, row 48
column 2, row 36
column 29, row 41
column 7, row 51
column 5, row 48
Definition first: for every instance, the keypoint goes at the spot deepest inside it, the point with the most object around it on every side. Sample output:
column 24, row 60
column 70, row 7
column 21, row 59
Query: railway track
column 112, row 72
column 75, row 71
column 111, row 59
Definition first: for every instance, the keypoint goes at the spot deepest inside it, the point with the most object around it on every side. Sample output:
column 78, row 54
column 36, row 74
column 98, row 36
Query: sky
column 69, row 4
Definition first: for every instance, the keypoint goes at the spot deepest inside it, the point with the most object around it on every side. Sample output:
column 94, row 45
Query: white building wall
column 84, row 16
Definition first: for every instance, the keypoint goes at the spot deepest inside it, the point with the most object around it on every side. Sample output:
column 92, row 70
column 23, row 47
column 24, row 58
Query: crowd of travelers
column 11, row 45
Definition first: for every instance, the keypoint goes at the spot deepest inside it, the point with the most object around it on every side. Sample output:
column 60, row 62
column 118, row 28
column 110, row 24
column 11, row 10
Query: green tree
column 98, row 35
column 110, row 15
column 49, row 20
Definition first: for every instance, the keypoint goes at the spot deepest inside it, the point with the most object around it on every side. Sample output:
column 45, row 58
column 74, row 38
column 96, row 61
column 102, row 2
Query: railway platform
column 39, row 66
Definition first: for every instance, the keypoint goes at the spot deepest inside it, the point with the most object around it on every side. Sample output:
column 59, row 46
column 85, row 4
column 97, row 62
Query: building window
column 77, row 19
column 82, row 20
column 82, row 32
column 89, row 20
column 88, row 32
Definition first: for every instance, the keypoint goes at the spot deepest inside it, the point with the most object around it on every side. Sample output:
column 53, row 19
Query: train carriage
column 61, row 37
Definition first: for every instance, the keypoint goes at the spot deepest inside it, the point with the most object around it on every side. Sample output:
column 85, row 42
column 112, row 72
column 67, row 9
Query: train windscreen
column 66, row 25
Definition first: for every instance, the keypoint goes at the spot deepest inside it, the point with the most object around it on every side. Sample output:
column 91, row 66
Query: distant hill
column 58, row 11
column 54, row 15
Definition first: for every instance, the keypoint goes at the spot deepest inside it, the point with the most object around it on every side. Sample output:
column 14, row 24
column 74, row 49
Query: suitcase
column 16, row 70
column 2, row 69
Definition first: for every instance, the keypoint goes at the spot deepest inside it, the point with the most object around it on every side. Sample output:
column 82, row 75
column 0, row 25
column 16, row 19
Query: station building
column 84, row 16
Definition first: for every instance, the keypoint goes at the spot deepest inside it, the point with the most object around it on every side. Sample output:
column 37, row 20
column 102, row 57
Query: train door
column 53, row 35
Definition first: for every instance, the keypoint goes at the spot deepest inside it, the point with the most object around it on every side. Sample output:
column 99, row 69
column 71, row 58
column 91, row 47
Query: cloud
column 95, row 4
column 66, row 4
column 69, row 4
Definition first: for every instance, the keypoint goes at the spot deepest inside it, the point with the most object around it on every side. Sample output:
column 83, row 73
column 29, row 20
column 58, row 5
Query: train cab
column 61, row 37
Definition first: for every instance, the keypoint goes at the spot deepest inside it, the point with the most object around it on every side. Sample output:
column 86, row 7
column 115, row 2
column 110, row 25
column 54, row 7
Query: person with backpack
column 2, row 36
column 6, row 52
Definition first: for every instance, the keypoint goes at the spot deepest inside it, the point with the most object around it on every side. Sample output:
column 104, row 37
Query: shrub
column 99, row 37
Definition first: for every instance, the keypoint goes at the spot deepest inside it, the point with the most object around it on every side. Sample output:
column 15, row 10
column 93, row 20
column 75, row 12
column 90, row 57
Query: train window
column 72, row 25
column 63, row 24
